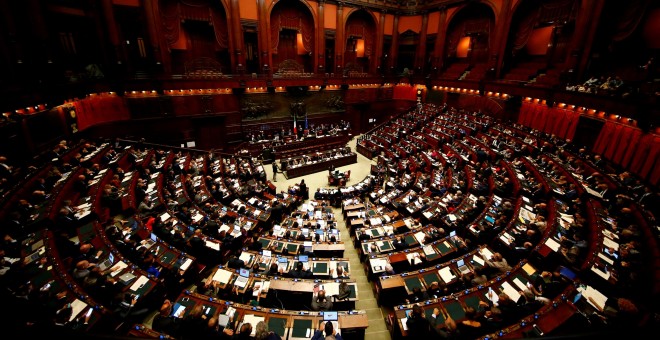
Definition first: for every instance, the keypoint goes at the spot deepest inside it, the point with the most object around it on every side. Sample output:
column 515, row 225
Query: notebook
column 108, row 262
column 462, row 268
column 330, row 316
column 126, row 277
column 243, row 276
column 266, row 253
column 303, row 258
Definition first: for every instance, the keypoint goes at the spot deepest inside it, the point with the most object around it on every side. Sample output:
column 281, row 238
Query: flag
column 295, row 130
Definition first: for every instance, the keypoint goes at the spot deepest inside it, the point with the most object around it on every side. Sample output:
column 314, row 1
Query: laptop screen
column 303, row 258
column 266, row 253
column 567, row 273
column 453, row 233
column 490, row 219
column 244, row 272
column 305, row 231
column 319, row 231
column 154, row 237
column 330, row 316
column 282, row 260
column 460, row 263
column 111, row 258
column 577, row 298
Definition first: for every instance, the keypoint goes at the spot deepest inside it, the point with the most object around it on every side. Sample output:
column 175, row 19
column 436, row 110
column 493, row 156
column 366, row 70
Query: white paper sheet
column 222, row 276
column 139, row 282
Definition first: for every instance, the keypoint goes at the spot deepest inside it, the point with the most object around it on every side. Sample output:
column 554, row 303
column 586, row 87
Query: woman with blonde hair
column 262, row 332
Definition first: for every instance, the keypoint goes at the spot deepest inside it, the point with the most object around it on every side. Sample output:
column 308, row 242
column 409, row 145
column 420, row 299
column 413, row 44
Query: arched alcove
column 292, row 34
column 360, row 42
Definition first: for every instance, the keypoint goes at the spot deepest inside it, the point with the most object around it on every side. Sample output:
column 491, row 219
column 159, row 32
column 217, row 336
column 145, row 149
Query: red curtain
column 636, row 135
column 560, row 122
column 100, row 109
column 629, row 147
column 404, row 92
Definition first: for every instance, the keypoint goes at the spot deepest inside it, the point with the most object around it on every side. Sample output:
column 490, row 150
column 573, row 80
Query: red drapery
column 560, row 122
column 629, row 147
column 291, row 18
column 404, row 92
column 100, row 109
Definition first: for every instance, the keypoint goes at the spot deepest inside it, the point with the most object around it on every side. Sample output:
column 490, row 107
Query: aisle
column 377, row 328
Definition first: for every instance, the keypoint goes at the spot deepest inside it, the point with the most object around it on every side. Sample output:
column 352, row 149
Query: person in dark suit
column 418, row 325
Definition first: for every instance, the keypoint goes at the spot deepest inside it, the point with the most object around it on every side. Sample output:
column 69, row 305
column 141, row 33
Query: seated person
column 299, row 272
column 320, row 302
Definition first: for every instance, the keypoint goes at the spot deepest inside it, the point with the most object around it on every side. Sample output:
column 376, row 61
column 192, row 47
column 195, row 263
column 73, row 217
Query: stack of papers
column 592, row 295
column 222, row 276
column 446, row 274
column 510, row 291
column 213, row 245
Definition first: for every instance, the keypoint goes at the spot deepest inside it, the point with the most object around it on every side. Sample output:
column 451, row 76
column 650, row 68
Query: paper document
column 446, row 274
column 478, row 260
column 253, row 320
column 519, row 284
column 552, row 244
column 76, row 307
column 485, row 252
column 139, row 283
column 592, row 295
column 610, row 244
column 121, row 265
column 186, row 264
column 212, row 245
column 222, row 276
column 510, row 291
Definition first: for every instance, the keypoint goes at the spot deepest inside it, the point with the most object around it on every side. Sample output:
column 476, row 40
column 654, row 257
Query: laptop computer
column 577, row 298
column 330, row 316
column 462, row 267
column 242, row 279
column 108, row 262
column 305, row 231
column 452, row 234
column 490, row 219
column 282, row 263
column 266, row 253
column 126, row 278
column 567, row 273
column 153, row 239
column 303, row 258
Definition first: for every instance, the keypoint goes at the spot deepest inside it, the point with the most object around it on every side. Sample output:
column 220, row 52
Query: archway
column 292, row 34
column 469, row 35
column 360, row 43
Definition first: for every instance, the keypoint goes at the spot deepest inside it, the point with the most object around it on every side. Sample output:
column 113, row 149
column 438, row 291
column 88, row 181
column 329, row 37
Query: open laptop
column 462, row 267
column 153, row 239
column 567, row 273
column 126, row 277
column 266, row 253
column 303, row 258
column 490, row 219
column 330, row 316
column 243, row 276
column 108, row 262
column 282, row 263
column 305, row 232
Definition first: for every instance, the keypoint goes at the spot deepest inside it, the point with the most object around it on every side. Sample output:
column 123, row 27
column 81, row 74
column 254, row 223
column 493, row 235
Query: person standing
column 274, row 171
